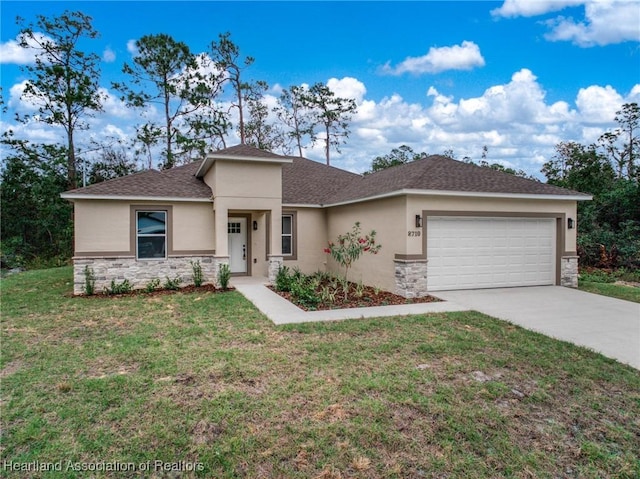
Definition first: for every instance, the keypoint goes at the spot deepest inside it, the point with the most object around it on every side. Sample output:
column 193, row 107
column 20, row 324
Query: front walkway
column 281, row 311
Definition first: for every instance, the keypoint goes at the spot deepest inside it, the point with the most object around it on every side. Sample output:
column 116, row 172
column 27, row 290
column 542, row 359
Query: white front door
column 237, row 232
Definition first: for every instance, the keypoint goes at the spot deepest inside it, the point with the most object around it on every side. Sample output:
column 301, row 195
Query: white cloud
column 514, row 119
column 605, row 22
column 132, row 48
column 598, row 104
column 109, row 55
column 528, row 8
column 113, row 106
column 348, row 87
column 465, row 56
column 12, row 52
column 20, row 102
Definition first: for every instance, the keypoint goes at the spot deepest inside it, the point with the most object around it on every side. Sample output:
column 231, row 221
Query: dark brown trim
column 103, row 254
column 133, row 209
column 267, row 247
column 203, row 252
column 294, row 236
column 559, row 217
column 410, row 257
column 231, row 214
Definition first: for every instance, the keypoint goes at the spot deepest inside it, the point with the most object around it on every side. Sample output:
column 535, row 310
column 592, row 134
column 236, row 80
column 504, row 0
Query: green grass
column 205, row 378
column 620, row 291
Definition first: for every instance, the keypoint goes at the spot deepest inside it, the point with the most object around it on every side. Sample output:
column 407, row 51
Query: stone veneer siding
column 140, row 273
column 274, row 265
column 411, row 278
column 569, row 271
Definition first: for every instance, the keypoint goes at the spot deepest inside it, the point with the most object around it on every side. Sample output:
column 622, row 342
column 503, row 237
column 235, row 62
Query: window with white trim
column 151, row 234
column 287, row 235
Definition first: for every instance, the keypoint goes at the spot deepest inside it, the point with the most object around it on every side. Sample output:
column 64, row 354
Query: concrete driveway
column 607, row 325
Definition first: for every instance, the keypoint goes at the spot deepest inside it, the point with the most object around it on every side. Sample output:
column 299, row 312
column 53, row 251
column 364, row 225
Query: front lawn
column 206, row 385
column 615, row 290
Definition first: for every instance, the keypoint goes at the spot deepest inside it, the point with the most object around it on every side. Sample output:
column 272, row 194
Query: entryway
column 238, row 244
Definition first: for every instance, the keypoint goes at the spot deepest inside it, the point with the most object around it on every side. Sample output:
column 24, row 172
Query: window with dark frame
column 151, row 234
column 287, row 235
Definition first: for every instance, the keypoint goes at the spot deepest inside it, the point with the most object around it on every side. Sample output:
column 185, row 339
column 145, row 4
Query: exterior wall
column 245, row 179
column 107, row 227
column 416, row 204
column 140, row 273
column 567, row 272
column 193, row 227
column 102, row 226
column 388, row 218
column 310, row 238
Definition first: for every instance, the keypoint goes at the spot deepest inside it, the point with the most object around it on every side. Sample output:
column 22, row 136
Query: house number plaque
column 414, row 233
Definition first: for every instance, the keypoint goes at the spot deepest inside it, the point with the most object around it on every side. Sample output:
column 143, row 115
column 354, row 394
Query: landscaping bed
column 322, row 291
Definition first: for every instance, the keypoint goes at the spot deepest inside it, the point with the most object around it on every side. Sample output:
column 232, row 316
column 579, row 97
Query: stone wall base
column 275, row 262
column 141, row 273
column 411, row 278
column 569, row 271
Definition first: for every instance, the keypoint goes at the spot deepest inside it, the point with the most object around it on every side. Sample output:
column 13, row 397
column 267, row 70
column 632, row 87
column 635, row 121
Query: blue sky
column 517, row 76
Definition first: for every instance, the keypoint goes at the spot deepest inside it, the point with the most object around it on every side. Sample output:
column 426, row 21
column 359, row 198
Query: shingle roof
column 309, row 182
column 439, row 173
column 178, row 182
column 246, row 151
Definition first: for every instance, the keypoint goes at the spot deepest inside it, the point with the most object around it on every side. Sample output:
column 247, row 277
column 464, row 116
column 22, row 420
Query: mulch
column 370, row 297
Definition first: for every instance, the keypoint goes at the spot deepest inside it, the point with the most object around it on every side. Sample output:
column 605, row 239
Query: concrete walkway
column 607, row 325
column 281, row 311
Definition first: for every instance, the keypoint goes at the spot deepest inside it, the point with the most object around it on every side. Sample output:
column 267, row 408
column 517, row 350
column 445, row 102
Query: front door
column 237, row 230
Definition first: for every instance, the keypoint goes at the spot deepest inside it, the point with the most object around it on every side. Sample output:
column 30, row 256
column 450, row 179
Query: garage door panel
column 467, row 253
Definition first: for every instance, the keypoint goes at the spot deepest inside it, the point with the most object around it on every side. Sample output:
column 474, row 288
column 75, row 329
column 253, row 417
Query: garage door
column 472, row 252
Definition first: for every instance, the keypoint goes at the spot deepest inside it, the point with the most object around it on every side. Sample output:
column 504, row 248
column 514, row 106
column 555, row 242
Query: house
column 442, row 224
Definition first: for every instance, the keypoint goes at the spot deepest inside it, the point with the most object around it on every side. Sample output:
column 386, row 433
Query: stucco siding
column 243, row 179
column 106, row 226
column 310, row 239
column 193, row 227
column 389, row 219
column 417, row 204
column 101, row 226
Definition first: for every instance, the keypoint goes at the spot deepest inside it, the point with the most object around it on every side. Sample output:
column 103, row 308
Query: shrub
column 596, row 276
column 119, row 288
column 152, row 285
column 89, row 281
column 303, row 292
column 283, row 279
column 172, row 284
column 224, row 275
column 351, row 245
column 198, row 277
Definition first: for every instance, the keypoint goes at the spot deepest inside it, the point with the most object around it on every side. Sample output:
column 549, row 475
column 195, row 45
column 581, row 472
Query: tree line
column 190, row 91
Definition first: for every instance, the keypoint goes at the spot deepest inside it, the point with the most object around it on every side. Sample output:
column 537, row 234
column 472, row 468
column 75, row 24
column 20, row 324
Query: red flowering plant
column 351, row 245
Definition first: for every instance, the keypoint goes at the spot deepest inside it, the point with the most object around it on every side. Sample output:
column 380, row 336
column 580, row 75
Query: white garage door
column 472, row 252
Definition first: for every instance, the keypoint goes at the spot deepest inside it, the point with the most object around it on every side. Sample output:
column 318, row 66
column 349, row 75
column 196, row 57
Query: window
column 151, row 228
column 287, row 235
column 233, row 228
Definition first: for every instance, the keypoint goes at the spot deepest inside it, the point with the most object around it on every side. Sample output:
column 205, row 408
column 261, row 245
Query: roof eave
column 74, row 196
column 212, row 157
column 467, row 194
